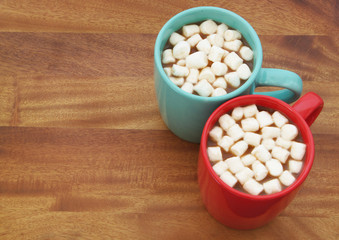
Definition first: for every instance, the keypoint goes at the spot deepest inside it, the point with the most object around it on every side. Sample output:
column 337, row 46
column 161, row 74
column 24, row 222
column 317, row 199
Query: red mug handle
column 309, row 106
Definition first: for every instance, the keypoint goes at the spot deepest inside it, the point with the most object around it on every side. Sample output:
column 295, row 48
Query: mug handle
column 309, row 106
column 280, row 78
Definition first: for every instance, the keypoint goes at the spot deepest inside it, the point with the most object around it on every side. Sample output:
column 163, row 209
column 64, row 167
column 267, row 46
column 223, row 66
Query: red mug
column 240, row 210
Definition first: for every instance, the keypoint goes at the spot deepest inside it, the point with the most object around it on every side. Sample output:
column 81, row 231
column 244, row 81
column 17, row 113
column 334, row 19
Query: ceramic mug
column 237, row 209
column 185, row 114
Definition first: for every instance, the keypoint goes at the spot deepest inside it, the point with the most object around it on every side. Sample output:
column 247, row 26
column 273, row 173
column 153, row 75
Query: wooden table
column 84, row 153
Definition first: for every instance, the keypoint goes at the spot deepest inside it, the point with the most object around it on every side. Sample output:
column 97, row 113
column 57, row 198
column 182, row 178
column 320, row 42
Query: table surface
column 84, row 153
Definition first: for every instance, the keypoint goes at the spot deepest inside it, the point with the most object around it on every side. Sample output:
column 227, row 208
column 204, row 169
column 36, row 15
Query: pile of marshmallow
column 263, row 146
column 215, row 63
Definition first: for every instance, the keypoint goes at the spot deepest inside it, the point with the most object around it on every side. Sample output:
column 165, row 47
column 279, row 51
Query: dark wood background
column 84, row 153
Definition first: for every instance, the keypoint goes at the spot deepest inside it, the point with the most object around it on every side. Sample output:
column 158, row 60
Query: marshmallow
column 228, row 178
column 274, row 167
column 181, row 62
column 220, row 82
column 279, row 119
column 193, row 41
column 237, row 113
column 235, row 132
column 216, row 54
column 298, row 150
column 286, row 178
column 233, row 79
column 218, row 92
column 259, row 170
column 181, row 50
column 214, row 154
column 268, row 143
column 280, row 153
column 197, row 60
column 208, row 27
column 253, row 187
column 226, row 121
column 250, row 124
column 246, row 53
column 248, row 159
column 175, row 38
column 244, row 174
column 231, row 35
column 207, row 74
column 270, row 132
column 187, row 87
column 216, row 133
column 252, row 139
column 264, row 119
column 193, row 76
column 250, row 110
column 283, row 143
column 219, row 68
column 177, row 81
column 261, row 153
column 294, row 166
column 167, row 56
column 216, row 40
column 221, row 29
column 233, row 45
column 234, row 164
column 233, row 60
column 220, row 167
column 190, row 30
column 204, row 45
column 239, row 148
column 179, row 71
column 168, row 71
column 272, row 186
column 289, row 132
column 244, row 71
column 225, row 143
column 203, row 88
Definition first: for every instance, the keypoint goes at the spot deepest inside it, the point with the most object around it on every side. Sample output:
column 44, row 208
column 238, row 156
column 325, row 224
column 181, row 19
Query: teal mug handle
column 280, row 78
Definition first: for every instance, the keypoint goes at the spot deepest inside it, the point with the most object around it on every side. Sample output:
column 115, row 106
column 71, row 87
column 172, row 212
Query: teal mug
column 185, row 114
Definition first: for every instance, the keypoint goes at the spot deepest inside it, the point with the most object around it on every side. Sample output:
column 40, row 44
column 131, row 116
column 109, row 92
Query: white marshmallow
column 181, row 50
column 259, row 169
column 219, row 68
column 246, row 53
column 250, row 124
column 203, row 88
column 226, row 121
column 295, row 166
column 235, row 132
column 270, row 132
column 187, row 87
column 216, row 40
column 234, row 164
column 197, row 60
column 207, row 74
column 190, row 30
column 177, row 81
column 261, row 153
column 216, row 133
column 264, row 119
column 225, row 143
column 248, row 159
column 216, row 54
column 283, row 143
column 219, row 92
column 252, row 138
column 175, row 38
column 233, row 60
column 193, row 76
column 298, row 150
column 244, row 174
column 179, row 71
column 228, row 178
column 253, row 187
column 237, row 113
column 220, row 167
column 208, row 27
column 167, row 56
column 244, row 71
column 279, row 119
column 233, row 79
column 221, row 29
column 214, row 154
column 268, row 143
column 289, row 132
column 231, row 35
column 250, row 110
column 181, row 62
column 274, row 167
column 204, row 45
column 239, row 148
column 280, row 153
column 220, row 82
column 168, row 71
column 286, row 178
column 193, row 41
column 233, row 45
column 272, row 186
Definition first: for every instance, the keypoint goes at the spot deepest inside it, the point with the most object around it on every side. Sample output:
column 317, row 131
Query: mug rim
column 235, row 93
column 287, row 110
